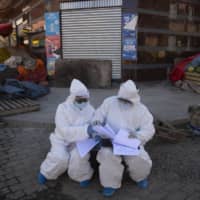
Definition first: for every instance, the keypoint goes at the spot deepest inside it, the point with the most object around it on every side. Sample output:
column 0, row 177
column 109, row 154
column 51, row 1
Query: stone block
column 94, row 73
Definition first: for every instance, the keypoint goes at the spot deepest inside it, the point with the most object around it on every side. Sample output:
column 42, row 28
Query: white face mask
column 81, row 106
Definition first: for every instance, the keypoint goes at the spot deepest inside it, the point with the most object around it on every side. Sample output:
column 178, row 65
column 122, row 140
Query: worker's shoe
column 108, row 191
column 41, row 179
column 85, row 183
column 143, row 184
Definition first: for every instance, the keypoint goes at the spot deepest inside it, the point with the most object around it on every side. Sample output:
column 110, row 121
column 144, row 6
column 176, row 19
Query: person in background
column 125, row 111
column 72, row 122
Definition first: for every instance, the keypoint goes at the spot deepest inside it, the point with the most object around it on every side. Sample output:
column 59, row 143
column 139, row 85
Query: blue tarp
column 2, row 67
column 14, row 87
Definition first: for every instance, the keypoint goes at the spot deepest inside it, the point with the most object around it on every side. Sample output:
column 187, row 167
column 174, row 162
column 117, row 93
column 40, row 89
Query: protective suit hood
column 77, row 88
column 129, row 91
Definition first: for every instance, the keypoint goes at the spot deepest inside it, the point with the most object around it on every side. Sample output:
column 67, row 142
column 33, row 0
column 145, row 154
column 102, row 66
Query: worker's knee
column 53, row 166
column 105, row 155
column 139, row 167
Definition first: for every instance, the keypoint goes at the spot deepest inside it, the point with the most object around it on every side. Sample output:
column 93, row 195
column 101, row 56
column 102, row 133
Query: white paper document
column 105, row 131
column 122, row 139
column 86, row 146
column 122, row 144
column 124, row 150
column 125, row 146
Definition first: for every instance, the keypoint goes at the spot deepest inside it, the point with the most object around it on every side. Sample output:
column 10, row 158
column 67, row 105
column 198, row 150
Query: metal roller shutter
column 93, row 34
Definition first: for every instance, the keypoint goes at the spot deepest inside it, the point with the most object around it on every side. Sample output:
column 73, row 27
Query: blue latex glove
column 94, row 135
column 91, row 131
column 99, row 140
column 96, row 123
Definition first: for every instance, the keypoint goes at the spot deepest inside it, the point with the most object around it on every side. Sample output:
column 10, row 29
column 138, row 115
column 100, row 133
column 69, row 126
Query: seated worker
column 125, row 111
column 72, row 122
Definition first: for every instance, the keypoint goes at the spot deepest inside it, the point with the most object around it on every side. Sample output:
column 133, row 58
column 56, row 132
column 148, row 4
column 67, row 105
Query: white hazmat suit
column 139, row 122
column 71, row 126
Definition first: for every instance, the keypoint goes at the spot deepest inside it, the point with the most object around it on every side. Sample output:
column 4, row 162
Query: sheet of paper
column 124, row 150
column 105, row 131
column 112, row 132
column 86, row 146
column 122, row 138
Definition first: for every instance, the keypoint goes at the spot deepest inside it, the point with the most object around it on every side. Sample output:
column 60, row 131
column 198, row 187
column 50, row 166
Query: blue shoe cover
column 41, row 179
column 108, row 192
column 143, row 184
column 85, row 183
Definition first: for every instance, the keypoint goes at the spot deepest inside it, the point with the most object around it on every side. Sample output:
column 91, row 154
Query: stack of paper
column 124, row 150
column 122, row 144
column 85, row 146
column 123, row 138
column 105, row 131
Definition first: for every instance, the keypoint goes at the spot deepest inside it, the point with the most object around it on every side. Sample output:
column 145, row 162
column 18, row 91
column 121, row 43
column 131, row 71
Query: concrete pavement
column 165, row 102
column 176, row 167
column 175, row 173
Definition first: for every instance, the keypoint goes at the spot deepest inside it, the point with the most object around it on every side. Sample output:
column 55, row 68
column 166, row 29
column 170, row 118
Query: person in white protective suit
column 72, row 122
column 125, row 111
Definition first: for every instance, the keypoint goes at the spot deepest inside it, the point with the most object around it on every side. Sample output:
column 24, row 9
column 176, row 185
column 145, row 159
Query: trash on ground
column 169, row 132
column 194, row 124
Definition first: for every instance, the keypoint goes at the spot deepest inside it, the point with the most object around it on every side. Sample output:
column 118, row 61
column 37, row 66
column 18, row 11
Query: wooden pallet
column 193, row 76
column 12, row 106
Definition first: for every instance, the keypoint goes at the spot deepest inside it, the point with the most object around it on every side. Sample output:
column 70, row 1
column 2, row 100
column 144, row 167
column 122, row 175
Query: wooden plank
column 27, row 102
column 1, row 108
column 20, row 102
column 4, row 105
column 19, row 111
column 12, row 106
column 16, row 104
column 8, row 103
column 192, row 74
column 31, row 101
column 192, row 78
column 193, row 82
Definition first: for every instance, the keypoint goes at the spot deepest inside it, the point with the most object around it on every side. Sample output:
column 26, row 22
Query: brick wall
column 38, row 11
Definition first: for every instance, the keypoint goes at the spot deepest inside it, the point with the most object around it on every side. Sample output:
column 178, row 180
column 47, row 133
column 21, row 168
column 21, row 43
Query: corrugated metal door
column 93, row 34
